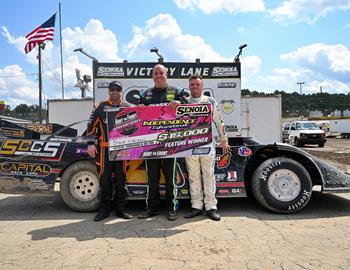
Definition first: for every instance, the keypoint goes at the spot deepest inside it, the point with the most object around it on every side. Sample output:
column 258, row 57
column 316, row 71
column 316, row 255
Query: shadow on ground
column 82, row 227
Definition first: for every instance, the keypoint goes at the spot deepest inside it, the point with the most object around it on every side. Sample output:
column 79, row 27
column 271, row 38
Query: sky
column 288, row 41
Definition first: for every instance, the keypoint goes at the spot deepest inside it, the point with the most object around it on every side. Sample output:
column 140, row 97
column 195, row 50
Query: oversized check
column 160, row 132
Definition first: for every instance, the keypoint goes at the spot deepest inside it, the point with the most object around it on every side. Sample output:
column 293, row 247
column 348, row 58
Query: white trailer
column 262, row 118
column 68, row 111
column 341, row 126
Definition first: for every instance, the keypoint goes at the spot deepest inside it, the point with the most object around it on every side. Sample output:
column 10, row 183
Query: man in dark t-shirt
column 161, row 94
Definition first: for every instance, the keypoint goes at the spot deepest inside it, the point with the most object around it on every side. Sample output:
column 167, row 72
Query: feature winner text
column 169, row 137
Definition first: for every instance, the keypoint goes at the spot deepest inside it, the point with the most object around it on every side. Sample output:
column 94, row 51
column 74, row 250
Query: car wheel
column 321, row 145
column 79, row 186
column 282, row 185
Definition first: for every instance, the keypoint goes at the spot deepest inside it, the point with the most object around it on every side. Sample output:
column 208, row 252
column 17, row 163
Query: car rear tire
column 79, row 186
column 282, row 185
column 321, row 145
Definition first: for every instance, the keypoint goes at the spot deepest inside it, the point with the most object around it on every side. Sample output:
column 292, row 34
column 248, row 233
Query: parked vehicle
column 340, row 126
column 299, row 133
column 279, row 176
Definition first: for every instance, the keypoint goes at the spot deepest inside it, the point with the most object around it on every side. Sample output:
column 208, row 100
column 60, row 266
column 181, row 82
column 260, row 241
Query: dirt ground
column 41, row 232
column 336, row 151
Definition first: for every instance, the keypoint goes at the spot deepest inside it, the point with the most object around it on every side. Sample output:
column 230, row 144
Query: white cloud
column 327, row 60
column 285, row 79
column 16, row 87
column 94, row 38
column 308, row 11
column 164, row 32
column 316, row 65
column 19, row 43
column 231, row 6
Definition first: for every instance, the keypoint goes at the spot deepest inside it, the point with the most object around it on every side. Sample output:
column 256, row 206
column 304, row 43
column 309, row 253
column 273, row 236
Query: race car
column 279, row 176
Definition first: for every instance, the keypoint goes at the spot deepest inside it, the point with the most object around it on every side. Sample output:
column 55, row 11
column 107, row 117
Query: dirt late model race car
column 279, row 176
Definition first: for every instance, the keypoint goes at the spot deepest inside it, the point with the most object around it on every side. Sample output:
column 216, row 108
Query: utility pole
column 300, row 84
column 40, row 47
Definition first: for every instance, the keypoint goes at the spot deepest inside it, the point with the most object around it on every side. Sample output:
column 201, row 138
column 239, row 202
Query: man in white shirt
column 201, row 168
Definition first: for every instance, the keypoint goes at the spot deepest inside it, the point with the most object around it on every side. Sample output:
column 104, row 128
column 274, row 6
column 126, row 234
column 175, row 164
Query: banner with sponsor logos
column 221, row 81
column 160, row 132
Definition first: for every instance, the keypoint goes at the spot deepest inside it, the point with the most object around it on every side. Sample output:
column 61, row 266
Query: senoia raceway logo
column 110, row 71
column 192, row 110
column 244, row 151
column 224, row 71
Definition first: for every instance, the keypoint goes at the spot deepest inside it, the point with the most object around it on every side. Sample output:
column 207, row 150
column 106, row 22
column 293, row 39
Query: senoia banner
column 160, row 132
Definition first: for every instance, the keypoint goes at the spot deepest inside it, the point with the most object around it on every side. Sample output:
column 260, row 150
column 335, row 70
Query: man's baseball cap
column 115, row 84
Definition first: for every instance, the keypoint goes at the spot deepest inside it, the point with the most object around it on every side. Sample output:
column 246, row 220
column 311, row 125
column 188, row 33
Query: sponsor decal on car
column 244, row 151
column 184, row 191
column 139, row 192
column 40, row 128
column 81, row 151
column 224, row 160
column 220, row 176
column 223, row 191
column 236, row 190
column 230, row 184
column 36, row 184
column 28, row 169
column 231, row 176
column 42, row 149
column 12, row 132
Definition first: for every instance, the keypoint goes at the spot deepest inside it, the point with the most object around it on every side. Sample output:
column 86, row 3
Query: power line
column 14, row 76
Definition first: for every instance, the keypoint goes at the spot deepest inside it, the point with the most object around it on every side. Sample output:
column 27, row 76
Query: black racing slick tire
column 79, row 186
column 282, row 185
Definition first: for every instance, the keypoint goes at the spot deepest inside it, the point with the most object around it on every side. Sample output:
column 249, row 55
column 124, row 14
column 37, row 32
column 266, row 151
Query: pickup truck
column 299, row 133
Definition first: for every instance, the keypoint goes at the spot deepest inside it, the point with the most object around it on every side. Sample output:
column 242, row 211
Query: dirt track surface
column 336, row 151
column 40, row 232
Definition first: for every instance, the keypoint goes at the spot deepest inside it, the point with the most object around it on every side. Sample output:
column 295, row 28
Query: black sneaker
column 172, row 215
column 147, row 214
column 193, row 213
column 101, row 216
column 213, row 214
column 124, row 215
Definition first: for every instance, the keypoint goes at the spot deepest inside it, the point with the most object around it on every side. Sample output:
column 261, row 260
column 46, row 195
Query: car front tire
column 282, row 185
column 79, row 186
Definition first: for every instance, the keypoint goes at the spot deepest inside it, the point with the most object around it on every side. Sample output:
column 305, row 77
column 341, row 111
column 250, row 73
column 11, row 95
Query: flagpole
column 40, row 84
column 59, row 10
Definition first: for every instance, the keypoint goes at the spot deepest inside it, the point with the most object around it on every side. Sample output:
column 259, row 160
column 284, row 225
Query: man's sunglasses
column 115, row 89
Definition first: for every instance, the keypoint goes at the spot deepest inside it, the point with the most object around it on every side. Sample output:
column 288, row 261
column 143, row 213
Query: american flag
column 40, row 34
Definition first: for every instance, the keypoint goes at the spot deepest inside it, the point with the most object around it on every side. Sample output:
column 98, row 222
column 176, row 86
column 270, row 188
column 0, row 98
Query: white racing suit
column 201, row 168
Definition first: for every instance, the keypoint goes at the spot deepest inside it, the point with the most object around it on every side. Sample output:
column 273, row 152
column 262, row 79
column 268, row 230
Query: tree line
column 293, row 104
column 23, row 111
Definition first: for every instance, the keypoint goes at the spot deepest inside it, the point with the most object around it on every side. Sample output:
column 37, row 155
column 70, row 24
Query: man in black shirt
column 160, row 94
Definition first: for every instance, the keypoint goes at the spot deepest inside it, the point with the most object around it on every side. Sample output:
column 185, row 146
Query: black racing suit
column 97, row 134
column 161, row 96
